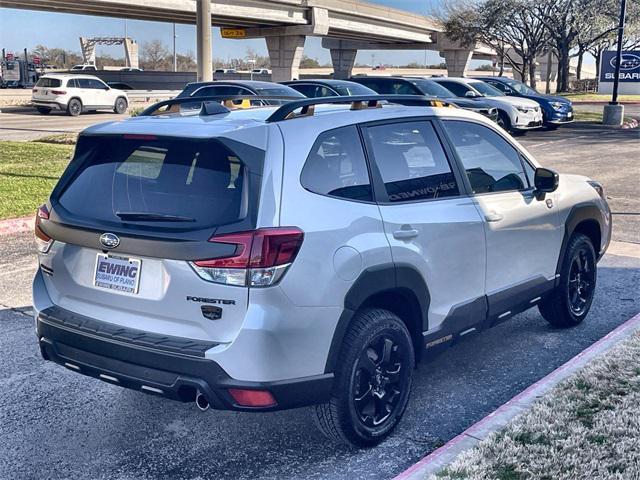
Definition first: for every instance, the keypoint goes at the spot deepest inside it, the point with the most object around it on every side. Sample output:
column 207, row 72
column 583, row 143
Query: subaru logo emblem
column 629, row 61
column 109, row 240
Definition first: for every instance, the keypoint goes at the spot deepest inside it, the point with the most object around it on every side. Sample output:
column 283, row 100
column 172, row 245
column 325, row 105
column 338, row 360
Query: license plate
column 117, row 273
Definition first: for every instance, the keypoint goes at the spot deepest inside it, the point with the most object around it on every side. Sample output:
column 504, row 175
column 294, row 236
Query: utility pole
column 175, row 58
column 614, row 112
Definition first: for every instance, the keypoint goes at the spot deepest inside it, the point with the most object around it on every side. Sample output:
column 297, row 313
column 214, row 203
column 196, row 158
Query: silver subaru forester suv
column 307, row 254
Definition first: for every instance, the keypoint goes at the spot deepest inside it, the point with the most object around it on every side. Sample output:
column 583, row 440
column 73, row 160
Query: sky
column 21, row 29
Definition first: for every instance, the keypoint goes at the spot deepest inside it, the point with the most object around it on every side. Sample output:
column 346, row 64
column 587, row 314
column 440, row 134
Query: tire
column 370, row 393
column 120, row 106
column 43, row 110
column 74, row 107
column 569, row 303
column 504, row 121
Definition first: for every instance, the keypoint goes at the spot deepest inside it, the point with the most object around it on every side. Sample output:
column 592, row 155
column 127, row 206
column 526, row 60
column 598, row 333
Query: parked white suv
column 75, row 94
column 304, row 254
column 515, row 114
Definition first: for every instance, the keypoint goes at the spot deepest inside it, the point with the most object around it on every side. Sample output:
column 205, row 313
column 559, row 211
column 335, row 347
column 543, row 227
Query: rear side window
column 336, row 166
column 49, row 83
column 168, row 182
column 411, row 161
column 491, row 163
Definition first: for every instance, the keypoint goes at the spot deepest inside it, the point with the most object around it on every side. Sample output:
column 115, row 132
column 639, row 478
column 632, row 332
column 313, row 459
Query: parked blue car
column 555, row 110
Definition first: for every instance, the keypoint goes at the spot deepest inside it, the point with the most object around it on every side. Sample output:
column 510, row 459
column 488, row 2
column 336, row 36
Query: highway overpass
column 346, row 26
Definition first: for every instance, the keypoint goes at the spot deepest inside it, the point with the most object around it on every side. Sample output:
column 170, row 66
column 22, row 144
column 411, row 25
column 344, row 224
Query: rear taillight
column 260, row 259
column 59, row 92
column 43, row 241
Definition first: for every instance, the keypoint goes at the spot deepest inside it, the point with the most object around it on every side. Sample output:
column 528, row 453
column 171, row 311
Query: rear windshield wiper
column 153, row 217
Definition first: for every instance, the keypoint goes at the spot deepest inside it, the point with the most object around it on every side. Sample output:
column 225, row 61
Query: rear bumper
column 48, row 104
column 163, row 373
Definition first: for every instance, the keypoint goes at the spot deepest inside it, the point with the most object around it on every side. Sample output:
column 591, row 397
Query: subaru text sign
column 629, row 66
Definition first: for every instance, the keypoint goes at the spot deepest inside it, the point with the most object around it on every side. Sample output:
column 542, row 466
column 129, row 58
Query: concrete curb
column 498, row 419
column 603, row 102
column 16, row 225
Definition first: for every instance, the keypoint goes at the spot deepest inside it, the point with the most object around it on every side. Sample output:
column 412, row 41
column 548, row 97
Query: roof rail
column 208, row 103
column 358, row 102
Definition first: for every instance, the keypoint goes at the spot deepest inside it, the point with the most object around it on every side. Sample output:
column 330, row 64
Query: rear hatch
column 47, row 89
column 130, row 218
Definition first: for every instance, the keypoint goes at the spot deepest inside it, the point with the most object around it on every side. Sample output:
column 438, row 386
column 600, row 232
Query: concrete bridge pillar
column 131, row 53
column 343, row 60
column 285, row 53
column 203, row 40
column 457, row 61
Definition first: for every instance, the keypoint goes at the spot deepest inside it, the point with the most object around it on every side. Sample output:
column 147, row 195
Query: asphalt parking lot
column 24, row 123
column 57, row 424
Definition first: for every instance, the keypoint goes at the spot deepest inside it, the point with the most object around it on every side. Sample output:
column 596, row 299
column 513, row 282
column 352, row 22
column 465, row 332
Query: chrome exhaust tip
column 201, row 402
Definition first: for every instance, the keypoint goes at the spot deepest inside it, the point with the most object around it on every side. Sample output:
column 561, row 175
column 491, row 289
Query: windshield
column 429, row 87
column 348, row 89
column 176, row 182
column 486, row 89
column 521, row 88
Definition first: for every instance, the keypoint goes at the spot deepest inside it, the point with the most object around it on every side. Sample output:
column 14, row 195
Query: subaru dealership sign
column 629, row 72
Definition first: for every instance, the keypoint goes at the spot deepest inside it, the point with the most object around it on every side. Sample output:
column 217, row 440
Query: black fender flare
column 373, row 281
column 578, row 214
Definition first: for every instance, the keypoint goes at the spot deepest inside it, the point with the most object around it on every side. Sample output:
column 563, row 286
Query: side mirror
column 545, row 180
column 470, row 94
column 107, row 88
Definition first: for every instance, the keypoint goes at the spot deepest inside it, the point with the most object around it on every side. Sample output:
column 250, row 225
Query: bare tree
column 155, row 56
column 508, row 26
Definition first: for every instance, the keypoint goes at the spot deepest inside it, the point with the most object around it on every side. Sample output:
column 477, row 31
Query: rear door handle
column 493, row 217
column 405, row 233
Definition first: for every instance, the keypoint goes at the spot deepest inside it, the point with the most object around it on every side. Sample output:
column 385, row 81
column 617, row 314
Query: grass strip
column 586, row 427
column 28, row 172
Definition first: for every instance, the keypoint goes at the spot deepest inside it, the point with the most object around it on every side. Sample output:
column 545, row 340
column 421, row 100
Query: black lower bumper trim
column 167, row 374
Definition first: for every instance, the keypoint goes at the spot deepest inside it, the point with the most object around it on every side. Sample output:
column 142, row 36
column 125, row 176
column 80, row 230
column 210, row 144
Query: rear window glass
column 165, row 182
column 49, row 83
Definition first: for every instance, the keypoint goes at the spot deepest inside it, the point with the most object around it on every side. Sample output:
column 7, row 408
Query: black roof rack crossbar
column 222, row 101
column 288, row 110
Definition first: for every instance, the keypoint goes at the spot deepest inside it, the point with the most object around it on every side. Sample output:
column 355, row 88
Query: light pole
column 175, row 58
column 614, row 112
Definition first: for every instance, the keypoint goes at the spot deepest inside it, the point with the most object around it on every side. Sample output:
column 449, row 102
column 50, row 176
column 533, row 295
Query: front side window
column 403, row 88
column 457, row 88
column 486, row 89
column 491, row 163
column 313, row 91
column 412, row 162
column 336, row 166
column 96, row 84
